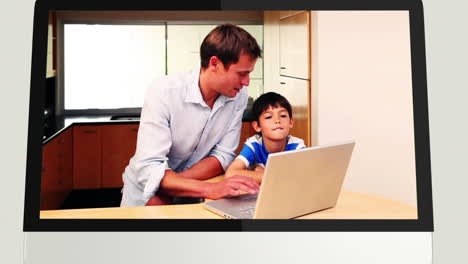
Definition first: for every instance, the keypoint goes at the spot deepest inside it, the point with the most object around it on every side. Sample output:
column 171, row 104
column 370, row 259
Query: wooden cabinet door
column 57, row 172
column 288, row 13
column 118, row 146
column 65, row 157
column 246, row 132
column 297, row 93
column 86, row 157
column 49, row 171
column 294, row 36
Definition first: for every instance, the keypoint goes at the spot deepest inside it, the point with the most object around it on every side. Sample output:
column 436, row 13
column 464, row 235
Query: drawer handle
column 89, row 131
column 283, row 68
column 282, row 83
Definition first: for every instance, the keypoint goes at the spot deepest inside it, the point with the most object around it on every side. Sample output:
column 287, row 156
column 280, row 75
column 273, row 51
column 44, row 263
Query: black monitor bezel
column 32, row 221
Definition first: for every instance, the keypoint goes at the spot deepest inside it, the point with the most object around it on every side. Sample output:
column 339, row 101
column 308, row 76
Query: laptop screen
column 348, row 72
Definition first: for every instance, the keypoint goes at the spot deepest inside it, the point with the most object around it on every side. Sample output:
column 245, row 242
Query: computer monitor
column 364, row 79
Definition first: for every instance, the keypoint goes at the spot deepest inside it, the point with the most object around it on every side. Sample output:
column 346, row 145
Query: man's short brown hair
column 226, row 42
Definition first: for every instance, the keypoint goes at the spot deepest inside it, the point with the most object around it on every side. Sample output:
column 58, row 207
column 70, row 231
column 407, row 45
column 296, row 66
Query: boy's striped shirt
column 255, row 153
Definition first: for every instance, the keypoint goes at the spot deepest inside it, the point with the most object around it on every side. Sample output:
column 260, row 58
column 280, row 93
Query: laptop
column 295, row 183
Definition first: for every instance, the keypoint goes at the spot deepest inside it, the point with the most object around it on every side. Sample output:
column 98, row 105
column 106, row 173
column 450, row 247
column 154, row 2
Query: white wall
column 361, row 90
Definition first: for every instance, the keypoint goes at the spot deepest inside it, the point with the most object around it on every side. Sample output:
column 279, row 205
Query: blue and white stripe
column 255, row 153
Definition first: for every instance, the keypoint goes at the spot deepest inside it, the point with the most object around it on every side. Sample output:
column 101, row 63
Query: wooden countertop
column 351, row 205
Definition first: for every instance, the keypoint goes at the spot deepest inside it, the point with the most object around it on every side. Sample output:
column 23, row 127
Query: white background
column 446, row 42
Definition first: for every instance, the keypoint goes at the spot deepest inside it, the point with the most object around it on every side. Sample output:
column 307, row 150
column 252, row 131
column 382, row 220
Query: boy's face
column 274, row 123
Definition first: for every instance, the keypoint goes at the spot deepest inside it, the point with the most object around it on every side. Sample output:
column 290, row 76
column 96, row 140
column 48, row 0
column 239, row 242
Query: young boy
column 273, row 120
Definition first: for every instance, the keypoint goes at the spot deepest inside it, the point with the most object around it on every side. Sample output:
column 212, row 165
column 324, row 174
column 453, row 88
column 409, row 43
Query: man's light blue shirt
column 178, row 129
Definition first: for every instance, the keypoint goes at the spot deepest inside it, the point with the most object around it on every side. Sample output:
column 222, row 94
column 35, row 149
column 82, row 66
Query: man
column 190, row 125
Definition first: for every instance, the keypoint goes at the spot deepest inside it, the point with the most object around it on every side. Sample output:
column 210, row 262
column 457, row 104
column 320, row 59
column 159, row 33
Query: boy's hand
column 259, row 169
column 232, row 186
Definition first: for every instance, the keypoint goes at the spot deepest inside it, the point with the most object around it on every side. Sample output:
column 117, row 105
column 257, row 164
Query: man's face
column 229, row 82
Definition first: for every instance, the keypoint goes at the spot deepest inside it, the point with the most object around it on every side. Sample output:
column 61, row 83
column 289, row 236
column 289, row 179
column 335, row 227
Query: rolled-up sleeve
column 154, row 142
column 225, row 148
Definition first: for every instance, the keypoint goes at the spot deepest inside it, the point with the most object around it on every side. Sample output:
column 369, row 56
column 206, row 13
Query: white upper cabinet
column 294, row 34
column 50, row 49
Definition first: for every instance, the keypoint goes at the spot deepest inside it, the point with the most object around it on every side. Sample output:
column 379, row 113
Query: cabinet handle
column 283, row 68
column 282, row 83
column 135, row 129
column 89, row 131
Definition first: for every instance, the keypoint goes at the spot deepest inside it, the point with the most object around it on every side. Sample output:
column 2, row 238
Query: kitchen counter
column 350, row 205
column 64, row 122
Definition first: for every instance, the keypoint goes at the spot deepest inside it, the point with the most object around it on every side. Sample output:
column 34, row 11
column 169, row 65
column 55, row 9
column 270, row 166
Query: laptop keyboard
column 238, row 207
column 249, row 210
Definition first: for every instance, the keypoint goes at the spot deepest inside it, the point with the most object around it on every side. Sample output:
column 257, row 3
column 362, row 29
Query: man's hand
column 232, row 186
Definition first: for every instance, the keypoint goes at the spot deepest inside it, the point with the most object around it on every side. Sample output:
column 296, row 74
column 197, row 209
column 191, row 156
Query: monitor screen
column 141, row 118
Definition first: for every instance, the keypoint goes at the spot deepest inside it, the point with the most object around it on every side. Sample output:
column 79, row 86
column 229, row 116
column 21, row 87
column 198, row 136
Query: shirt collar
column 193, row 94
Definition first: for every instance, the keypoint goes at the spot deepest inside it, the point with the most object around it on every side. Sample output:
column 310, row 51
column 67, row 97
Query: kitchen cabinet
column 294, row 37
column 288, row 71
column 246, row 132
column 101, row 153
column 287, row 13
column 87, row 153
column 51, row 46
column 297, row 91
column 92, row 157
column 118, row 146
column 57, row 171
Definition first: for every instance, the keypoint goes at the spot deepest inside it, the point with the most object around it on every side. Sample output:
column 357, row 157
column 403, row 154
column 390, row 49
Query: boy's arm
column 238, row 167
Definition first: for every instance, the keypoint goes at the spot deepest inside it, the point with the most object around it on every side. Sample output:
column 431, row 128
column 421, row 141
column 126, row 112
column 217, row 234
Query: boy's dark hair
column 269, row 99
column 226, row 42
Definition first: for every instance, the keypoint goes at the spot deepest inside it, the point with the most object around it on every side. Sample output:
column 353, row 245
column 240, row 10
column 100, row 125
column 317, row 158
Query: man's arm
column 204, row 169
column 189, row 183
column 175, row 185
